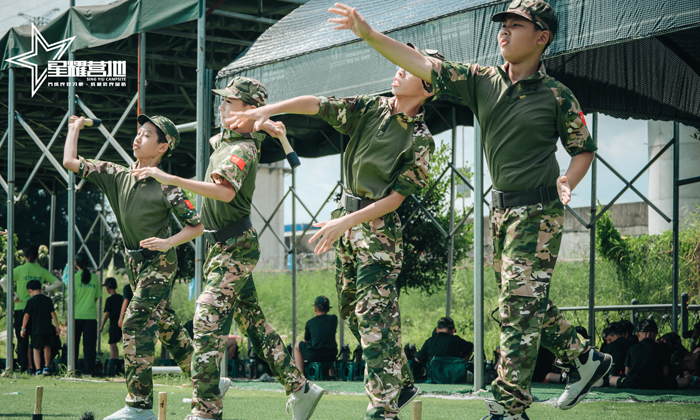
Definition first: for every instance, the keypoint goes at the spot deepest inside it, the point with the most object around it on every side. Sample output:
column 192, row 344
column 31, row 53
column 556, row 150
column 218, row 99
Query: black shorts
column 39, row 341
column 115, row 333
column 314, row 355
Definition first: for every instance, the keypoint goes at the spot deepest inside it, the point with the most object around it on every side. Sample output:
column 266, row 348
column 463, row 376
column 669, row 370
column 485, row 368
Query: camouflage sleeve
column 236, row 166
column 100, row 173
column 458, row 80
column 415, row 173
column 571, row 123
column 343, row 113
column 183, row 208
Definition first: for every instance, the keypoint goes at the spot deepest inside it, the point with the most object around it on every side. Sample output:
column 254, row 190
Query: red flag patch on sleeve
column 238, row 162
column 580, row 114
column 189, row 204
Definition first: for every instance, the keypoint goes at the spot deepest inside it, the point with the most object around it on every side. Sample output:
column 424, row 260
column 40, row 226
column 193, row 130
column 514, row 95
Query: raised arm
column 304, row 105
column 400, row 54
column 70, row 151
column 187, row 234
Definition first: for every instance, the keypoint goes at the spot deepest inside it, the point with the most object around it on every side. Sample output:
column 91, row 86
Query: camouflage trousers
column 229, row 293
column 367, row 263
column 149, row 314
column 526, row 243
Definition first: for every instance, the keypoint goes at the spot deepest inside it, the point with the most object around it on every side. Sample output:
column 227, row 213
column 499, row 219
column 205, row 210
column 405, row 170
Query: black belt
column 352, row 203
column 229, row 231
column 502, row 200
column 141, row 255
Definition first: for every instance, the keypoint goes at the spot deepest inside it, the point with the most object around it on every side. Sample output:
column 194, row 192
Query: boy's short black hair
column 446, row 322
column 34, row 285
column 31, row 252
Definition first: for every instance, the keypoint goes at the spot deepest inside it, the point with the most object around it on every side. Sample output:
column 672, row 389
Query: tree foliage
column 425, row 248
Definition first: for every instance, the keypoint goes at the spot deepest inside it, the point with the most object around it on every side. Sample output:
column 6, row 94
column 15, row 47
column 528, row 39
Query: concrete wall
column 661, row 173
column 269, row 188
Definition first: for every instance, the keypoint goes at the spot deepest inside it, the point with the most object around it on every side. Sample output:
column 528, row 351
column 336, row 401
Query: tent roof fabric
column 627, row 58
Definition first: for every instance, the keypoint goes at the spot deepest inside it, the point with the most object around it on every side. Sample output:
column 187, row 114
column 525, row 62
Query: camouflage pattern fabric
column 368, row 261
column 229, row 293
column 172, row 136
column 526, row 243
column 148, row 313
column 246, row 89
column 538, row 12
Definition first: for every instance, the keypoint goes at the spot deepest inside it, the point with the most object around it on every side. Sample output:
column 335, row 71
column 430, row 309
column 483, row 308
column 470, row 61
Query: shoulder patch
column 580, row 114
column 238, row 162
column 189, row 204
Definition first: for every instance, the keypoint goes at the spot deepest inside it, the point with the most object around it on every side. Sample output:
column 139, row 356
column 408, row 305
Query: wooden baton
column 292, row 157
column 89, row 122
column 162, row 400
column 37, row 403
column 417, row 409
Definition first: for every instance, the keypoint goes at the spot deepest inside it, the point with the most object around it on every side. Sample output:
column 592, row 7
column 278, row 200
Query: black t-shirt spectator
column 113, row 305
column 444, row 344
column 320, row 334
column 128, row 294
column 646, row 362
column 618, row 349
column 39, row 309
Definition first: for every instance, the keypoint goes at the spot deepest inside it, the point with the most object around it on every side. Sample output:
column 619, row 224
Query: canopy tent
column 624, row 58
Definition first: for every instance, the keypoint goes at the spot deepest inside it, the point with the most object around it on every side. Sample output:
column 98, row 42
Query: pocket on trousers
column 529, row 288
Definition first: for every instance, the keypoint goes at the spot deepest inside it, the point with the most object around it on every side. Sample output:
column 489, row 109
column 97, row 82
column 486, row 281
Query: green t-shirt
column 23, row 275
column 386, row 152
column 85, row 295
column 235, row 159
column 520, row 122
column 141, row 207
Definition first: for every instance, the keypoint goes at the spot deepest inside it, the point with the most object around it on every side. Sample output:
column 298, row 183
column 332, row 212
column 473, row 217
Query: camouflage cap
column 428, row 53
column 536, row 11
column 322, row 303
column 246, row 89
column 647, row 325
column 166, row 126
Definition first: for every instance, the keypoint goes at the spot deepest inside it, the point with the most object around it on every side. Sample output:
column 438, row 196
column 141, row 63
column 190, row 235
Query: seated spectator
column 444, row 344
column 544, row 366
column 616, row 346
column 646, row 366
column 319, row 336
column 557, row 374
column 40, row 311
column 627, row 330
column 113, row 307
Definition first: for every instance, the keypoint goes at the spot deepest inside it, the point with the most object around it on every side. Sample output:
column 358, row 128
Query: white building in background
column 661, row 174
column 269, row 189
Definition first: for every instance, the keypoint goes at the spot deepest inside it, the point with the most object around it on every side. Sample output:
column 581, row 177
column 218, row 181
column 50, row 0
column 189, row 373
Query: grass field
column 70, row 399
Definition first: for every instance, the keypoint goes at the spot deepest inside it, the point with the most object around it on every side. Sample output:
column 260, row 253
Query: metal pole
column 341, row 323
column 294, row 259
column 591, row 262
column 676, row 224
column 141, row 105
column 99, row 267
column 478, row 259
column 72, row 350
column 453, row 196
column 52, row 229
column 199, row 242
column 10, row 215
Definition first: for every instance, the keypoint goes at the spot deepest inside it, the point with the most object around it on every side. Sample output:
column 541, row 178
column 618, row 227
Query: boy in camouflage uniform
column 386, row 160
column 142, row 207
column 522, row 112
column 229, row 292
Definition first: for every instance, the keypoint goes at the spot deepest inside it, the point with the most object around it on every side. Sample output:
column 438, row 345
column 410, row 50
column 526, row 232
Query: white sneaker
column 303, row 402
column 498, row 412
column 224, row 384
column 132, row 413
column 585, row 371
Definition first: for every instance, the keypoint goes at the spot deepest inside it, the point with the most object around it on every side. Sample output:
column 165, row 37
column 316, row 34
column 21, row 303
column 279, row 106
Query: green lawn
column 70, row 399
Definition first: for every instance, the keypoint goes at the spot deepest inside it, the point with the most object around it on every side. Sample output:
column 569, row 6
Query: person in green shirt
column 234, row 250
column 22, row 275
column 522, row 112
column 142, row 208
column 386, row 160
column 86, row 291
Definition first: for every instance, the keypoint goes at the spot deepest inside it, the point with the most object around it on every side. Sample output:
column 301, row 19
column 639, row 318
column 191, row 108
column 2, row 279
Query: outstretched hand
column 156, row 244
column 274, row 128
column 330, row 231
column 76, row 122
column 160, row 176
column 238, row 119
column 350, row 19
column 564, row 189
